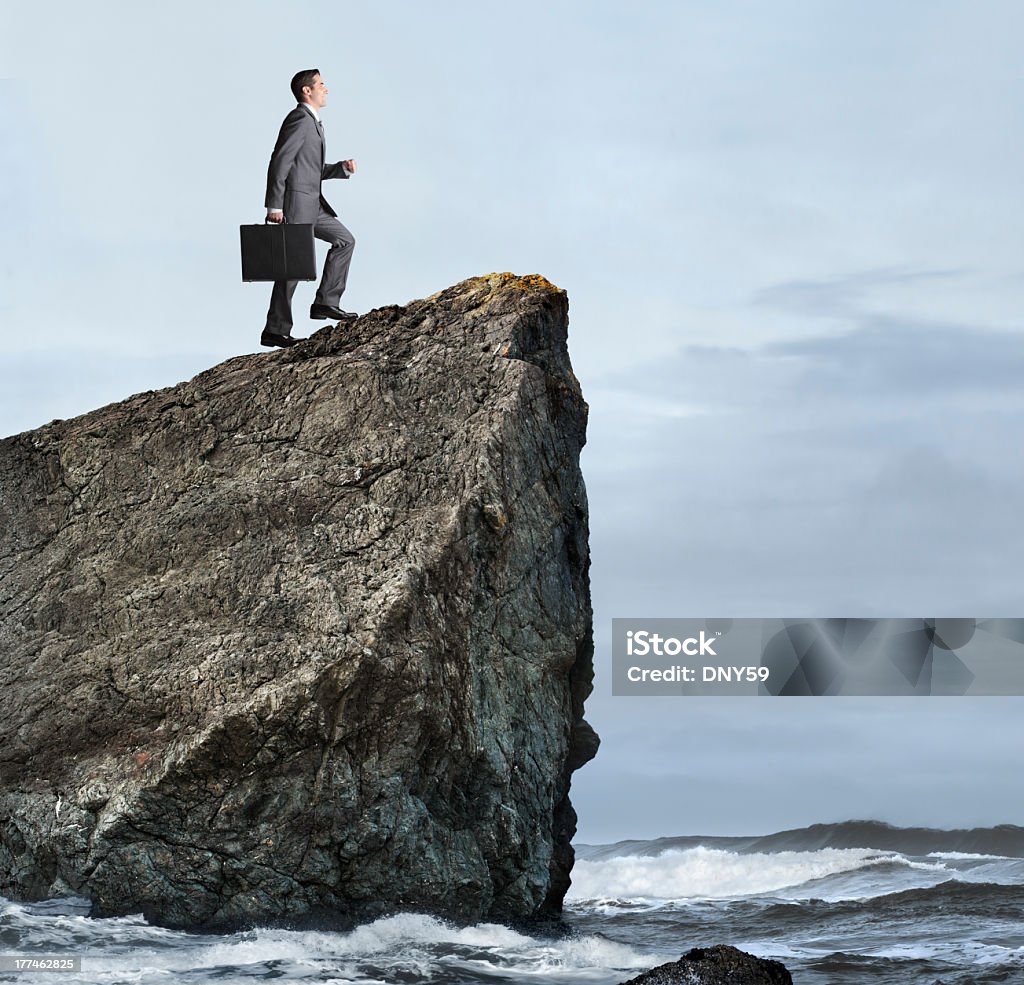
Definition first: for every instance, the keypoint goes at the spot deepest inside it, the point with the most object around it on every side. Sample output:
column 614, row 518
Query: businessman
column 297, row 167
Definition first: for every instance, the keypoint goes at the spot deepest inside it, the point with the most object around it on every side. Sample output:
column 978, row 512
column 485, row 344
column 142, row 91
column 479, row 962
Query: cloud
column 844, row 296
column 892, row 353
column 854, row 472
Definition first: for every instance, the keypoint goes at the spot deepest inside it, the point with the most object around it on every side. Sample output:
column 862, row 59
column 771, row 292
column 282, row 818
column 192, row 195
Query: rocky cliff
column 307, row 636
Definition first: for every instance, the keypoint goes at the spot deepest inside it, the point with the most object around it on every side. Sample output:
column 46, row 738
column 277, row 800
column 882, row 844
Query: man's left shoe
column 325, row 311
column 272, row 338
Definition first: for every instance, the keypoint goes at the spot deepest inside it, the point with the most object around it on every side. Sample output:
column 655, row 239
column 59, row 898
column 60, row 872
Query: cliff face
column 309, row 634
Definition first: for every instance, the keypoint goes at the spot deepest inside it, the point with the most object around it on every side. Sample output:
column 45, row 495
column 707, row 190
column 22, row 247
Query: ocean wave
column 410, row 947
column 959, row 892
column 959, row 953
column 711, row 873
column 968, row 857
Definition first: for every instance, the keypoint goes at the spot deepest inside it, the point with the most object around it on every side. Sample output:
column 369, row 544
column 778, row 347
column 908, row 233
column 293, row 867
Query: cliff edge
column 309, row 635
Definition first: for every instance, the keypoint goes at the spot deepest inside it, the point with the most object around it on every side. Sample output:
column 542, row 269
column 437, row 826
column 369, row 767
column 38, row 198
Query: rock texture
column 307, row 636
column 718, row 965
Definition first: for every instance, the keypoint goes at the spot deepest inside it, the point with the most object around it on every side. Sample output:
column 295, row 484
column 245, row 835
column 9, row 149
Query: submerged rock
column 718, row 965
column 308, row 635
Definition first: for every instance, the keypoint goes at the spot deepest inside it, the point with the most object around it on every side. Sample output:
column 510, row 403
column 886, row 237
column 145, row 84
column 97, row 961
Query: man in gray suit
column 297, row 167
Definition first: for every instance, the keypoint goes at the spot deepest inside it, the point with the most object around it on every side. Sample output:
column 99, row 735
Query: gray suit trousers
column 332, row 283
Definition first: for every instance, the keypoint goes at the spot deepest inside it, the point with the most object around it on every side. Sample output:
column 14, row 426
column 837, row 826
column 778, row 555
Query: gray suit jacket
column 297, row 166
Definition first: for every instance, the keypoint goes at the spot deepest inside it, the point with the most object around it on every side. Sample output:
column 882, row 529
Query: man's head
column 308, row 87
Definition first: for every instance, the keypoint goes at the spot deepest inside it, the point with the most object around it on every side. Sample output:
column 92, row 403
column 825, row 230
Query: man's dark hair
column 303, row 78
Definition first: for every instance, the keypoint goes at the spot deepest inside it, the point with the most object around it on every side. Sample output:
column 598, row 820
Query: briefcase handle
column 267, row 222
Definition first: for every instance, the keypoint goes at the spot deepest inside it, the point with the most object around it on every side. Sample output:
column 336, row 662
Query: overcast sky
column 791, row 236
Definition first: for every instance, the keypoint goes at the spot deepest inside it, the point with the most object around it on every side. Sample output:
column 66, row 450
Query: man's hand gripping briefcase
column 278, row 251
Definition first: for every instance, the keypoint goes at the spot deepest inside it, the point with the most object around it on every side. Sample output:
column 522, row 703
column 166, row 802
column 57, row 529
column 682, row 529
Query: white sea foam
column 711, row 873
column 408, row 946
column 385, row 933
column 968, row 857
column 963, row 953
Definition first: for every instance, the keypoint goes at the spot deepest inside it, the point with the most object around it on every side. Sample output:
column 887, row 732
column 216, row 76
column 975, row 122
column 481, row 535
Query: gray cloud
column 844, row 296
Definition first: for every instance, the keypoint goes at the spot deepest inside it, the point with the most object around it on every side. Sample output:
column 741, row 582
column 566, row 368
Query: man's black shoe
column 325, row 311
column 271, row 338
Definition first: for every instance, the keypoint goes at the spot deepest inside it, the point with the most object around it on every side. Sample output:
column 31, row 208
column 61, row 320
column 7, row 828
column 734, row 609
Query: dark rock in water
column 718, row 965
column 310, row 634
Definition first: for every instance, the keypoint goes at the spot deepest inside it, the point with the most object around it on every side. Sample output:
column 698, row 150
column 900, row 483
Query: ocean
column 857, row 902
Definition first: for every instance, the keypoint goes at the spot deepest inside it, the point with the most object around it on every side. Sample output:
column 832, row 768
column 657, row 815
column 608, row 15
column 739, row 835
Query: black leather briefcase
column 278, row 251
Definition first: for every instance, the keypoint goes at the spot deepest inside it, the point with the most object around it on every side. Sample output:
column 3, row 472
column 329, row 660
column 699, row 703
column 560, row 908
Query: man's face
column 316, row 94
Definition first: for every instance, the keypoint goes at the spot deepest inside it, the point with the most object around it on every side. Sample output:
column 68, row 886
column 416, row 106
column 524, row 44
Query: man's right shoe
column 272, row 338
column 325, row 311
